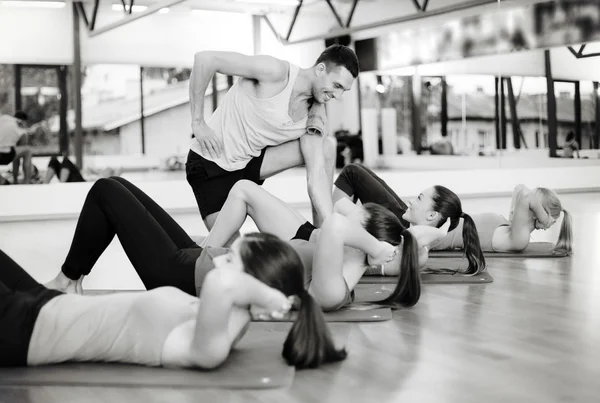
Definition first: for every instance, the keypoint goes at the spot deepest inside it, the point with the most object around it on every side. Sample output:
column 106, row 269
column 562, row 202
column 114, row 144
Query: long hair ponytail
column 309, row 343
column 565, row 236
column 553, row 206
column 385, row 226
column 408, row 287
column 448, row 205
column 472, row 246
column 278, row 265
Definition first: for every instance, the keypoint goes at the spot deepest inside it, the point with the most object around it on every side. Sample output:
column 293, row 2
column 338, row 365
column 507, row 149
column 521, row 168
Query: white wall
column 36, row 36
column 166, row 133
column 566, row 66
column 167, row 40
column 44, row 36
column 529, row 63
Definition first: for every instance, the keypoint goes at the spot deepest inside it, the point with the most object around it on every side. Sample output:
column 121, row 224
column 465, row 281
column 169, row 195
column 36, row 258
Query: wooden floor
column 533, row 335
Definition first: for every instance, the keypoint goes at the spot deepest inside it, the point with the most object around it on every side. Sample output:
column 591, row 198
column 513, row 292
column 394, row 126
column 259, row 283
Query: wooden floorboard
column 533, row 335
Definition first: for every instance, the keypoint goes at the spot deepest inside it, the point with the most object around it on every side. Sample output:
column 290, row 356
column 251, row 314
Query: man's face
column 331, row 83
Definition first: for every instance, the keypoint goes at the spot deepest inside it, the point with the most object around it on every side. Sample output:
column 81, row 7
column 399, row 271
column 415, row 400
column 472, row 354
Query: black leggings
column 159, row 249
column 74, row 173
column 21, row 298
column 359, row 182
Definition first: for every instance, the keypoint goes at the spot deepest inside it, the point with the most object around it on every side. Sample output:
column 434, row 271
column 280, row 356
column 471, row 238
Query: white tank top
column 127, row 327
column 247, row 124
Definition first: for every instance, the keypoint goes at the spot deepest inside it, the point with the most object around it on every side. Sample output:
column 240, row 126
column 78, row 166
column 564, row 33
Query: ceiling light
column 135, row 9
column 274, row 2
column 33, row 4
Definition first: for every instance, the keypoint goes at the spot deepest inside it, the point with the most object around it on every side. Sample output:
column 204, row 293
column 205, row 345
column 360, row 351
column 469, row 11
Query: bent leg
column 515, row 237
column 281, row 158
column 270, row 214
column 111, row 209
column 328, row 285
column 177, row 234
column 25, row 154
column 360, row 183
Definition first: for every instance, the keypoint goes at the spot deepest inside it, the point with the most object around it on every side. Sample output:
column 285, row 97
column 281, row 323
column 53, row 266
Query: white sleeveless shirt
column 127, row 327
column 247, row 125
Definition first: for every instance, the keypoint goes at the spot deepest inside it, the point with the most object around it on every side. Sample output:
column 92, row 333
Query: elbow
column 210, row 356
column 204, row 59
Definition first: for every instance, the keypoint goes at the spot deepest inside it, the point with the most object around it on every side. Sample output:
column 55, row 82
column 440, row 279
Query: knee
column 102, row 186
column 350, row 170
column 242, row 189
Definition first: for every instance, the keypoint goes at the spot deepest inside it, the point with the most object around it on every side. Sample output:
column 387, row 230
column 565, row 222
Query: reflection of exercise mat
column 357, row 312
column 256, row 363
column 438, row 271
column 535, row 249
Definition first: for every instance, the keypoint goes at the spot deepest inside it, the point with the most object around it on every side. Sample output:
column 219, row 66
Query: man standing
column 12, row 128
column 260, row 127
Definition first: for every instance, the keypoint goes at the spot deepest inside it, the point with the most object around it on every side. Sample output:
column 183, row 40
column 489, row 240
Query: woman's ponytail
column 565, row 237
column 309, row 343
column 408, row 288
column 472, row 246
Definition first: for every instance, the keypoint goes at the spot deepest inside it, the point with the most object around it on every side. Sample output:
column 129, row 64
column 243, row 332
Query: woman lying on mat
column 164, row 255
column 433, row 207
column 530, row 209
column 341, row 251
column 165, row 326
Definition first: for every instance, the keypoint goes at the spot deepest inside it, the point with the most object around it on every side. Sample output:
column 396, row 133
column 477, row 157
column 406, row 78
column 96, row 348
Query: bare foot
column 65, row 284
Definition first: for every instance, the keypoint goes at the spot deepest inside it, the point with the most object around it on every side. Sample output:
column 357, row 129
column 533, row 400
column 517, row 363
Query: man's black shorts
column 211, row 183
column 7, row 157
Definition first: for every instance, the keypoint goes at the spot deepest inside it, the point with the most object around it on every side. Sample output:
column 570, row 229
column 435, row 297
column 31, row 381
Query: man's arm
column 206, row 64
column 318, row 178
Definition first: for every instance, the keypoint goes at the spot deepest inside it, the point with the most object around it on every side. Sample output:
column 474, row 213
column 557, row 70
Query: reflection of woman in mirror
column 531, row 209
column 571, row 146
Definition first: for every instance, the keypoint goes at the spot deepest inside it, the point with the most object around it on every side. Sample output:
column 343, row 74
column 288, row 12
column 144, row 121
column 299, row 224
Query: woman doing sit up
column 164, row 255
column 165, row 326
column 350, row 241
column 530, row 209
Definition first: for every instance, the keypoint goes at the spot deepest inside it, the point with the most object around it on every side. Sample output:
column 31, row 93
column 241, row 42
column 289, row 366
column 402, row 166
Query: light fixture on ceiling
column 33, row 4
column 134, row 9
column 164, row 10
column 273, row 2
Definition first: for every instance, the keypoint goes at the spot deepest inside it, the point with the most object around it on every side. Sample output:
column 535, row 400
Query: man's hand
column 207, row 138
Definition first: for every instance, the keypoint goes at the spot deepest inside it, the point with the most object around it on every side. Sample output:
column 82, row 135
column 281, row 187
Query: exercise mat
column 256, row 363
column 356, row 312
column 535, row 249
column 439, row 271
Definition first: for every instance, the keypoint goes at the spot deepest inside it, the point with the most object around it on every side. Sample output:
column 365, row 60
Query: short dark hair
column 21, row 115
column 340, row 55
column 570, row 137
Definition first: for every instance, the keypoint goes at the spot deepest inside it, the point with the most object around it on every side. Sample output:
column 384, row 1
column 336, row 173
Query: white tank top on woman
column 247, row 124
column 127, row 327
